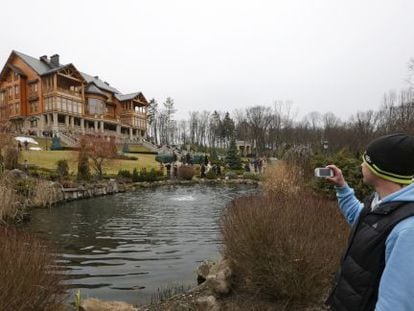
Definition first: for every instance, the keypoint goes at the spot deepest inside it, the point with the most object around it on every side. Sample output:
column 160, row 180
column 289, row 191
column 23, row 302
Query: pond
column 126, row 246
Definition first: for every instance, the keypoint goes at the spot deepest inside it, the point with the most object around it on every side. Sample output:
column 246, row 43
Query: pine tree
column 233, row 158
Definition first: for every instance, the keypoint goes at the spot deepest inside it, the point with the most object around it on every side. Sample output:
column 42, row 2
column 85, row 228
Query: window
column 96, row 106
column 69, row 105
column 10, row 92
column 17, row 108
column 109, row 109
column 16, row 76
column 59, row 103
column 33, row 88
column 33, row 106
column 2, row 98
column 63, row 103
column 33, row 123
column 16, row 90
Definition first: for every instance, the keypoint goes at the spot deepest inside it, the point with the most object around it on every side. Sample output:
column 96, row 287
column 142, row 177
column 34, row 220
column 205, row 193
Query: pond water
column 126, row 246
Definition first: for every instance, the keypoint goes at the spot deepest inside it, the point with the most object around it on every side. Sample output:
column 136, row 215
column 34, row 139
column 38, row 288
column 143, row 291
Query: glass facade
column 95, row 106
column 63, row 104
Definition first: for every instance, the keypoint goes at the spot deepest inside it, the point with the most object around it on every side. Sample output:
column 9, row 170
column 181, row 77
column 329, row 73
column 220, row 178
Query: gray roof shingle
column 93, row 89
column 122, row 97
column 99, row 83
column 43, row 68
column 40, row 67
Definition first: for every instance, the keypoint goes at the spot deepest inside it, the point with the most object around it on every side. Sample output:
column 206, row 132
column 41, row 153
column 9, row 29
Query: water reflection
column 125, row 246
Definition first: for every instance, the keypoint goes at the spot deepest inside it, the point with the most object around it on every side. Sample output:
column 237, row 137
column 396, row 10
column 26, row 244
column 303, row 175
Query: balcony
column 131, row 113
column 64, row 92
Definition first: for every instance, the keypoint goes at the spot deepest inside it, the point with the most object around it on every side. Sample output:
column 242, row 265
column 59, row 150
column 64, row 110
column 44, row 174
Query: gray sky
column 325, row 55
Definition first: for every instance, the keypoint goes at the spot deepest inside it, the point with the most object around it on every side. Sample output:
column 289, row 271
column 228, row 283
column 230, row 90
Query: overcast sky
column 326, row 55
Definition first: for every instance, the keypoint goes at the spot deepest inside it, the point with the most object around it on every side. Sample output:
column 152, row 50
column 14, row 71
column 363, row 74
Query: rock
column 207, row 304
column 203, row 270
column 218, row 280
column 16, row 174
column 93, row 304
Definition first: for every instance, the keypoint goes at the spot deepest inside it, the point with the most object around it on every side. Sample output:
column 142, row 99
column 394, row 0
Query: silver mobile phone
column 324, row 172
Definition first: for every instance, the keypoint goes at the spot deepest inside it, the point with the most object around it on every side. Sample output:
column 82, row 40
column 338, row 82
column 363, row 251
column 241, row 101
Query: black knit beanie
column 391, row 157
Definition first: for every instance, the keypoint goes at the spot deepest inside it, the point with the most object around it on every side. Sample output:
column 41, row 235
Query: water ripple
column 127, row 245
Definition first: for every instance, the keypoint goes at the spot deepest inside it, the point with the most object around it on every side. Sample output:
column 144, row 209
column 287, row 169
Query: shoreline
column 113, row 186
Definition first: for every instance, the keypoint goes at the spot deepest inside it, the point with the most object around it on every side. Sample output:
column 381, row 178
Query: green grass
column 48, row 159
column 136, row 148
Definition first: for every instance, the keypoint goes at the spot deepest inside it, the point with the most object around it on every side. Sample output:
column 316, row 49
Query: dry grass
column 285, row 245
column 283, row 178
column 29, row 278
column 45, row 194
column 9, row 206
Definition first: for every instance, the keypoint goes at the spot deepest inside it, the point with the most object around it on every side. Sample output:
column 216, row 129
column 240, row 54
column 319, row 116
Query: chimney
column 96, row 77
column 44, row 58
column 106, row 83
column 54, row 60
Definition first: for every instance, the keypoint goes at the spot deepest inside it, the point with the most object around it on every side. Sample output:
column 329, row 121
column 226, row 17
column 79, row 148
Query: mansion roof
column 43, row 66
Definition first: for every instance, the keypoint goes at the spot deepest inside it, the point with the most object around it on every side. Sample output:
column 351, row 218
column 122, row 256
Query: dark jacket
column 357, row 282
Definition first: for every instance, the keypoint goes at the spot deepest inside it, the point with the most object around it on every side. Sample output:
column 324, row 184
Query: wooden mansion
column 41, row 96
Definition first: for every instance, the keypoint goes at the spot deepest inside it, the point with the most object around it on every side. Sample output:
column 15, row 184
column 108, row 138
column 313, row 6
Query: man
column 377, row 269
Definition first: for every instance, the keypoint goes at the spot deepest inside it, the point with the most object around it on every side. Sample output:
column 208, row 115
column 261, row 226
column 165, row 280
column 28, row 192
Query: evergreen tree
column 56, row 143
column 233, row 158
column 125, row 148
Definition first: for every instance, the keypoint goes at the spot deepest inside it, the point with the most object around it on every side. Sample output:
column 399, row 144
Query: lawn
column 48, row 159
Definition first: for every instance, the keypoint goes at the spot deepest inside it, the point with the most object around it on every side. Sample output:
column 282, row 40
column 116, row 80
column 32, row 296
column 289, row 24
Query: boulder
column 203, row 270
column 93, row 304
column 16, row 174
column 218, row 280
column 208, row 303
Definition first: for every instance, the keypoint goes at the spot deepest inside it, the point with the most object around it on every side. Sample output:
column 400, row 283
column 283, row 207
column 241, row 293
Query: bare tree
column 98, row 150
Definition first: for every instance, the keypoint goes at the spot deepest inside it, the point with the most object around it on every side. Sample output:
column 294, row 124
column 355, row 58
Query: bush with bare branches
column 284, row 245
column 29, row 277
column 97, row 149
column 186, row 172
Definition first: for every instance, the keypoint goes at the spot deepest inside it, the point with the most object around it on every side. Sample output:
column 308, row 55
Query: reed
column 30, row 280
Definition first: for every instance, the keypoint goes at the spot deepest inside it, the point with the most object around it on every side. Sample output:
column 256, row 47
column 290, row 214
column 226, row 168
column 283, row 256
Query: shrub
column 211, row 175
column 233, row 158
column 84, row 172
column 350, row 164
column 283, row 245
column 10, row 207
column 231, row 175
column 56, row 145
column 135, row 175
column 124, row 173
column 145, row 175
column 46, row 194
column 283, row 178
column 62, row 168
column 125, row 148
column 252, row 176
column 125, row 157
column 11, row 157
column 186, row 172
column 29, row 277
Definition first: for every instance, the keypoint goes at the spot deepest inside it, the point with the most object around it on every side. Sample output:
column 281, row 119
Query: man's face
column 368, row 176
